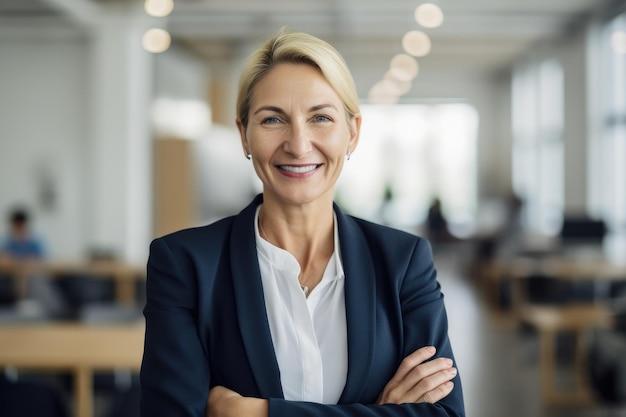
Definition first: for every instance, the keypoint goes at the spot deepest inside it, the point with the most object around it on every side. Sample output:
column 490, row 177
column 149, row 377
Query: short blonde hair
column 295, row 47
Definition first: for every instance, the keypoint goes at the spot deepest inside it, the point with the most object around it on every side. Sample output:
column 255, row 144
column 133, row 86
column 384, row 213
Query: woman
column 292, row 307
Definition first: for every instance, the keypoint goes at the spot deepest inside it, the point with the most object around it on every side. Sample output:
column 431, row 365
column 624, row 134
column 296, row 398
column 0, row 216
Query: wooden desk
column 567, row 268
column 518, row 270
column 549, row 321
column 125, row 276
column 73, row 347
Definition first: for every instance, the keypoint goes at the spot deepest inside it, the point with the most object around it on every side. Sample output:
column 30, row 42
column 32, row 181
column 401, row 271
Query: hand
column 224, row 402
column 418, row 380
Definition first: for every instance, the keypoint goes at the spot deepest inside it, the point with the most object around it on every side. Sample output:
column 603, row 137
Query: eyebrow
column 279, row 110
column 269, row 108
column 322, row 106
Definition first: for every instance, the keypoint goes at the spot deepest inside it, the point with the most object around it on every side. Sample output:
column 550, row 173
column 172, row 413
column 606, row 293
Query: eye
column 270, row 120
column 321, row 118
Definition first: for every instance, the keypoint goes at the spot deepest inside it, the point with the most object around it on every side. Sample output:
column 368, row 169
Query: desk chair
column 18, row 399
column 607, row 366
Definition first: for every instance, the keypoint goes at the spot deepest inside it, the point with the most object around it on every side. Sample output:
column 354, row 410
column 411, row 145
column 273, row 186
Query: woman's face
column 298, row 134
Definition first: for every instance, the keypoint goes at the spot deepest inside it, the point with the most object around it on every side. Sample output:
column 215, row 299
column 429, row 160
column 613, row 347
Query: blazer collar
column 250, row 304
column 360, row 295
column 360, row 298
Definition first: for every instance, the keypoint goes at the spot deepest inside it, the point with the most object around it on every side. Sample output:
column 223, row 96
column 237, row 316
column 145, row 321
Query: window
column 611, row 142
column 538, row 143
column 407, row 156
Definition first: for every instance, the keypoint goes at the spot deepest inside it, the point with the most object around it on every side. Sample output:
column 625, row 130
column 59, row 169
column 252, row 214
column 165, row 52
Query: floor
column 497, row 359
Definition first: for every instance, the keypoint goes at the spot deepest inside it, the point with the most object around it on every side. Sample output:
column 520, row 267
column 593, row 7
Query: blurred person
column 23, row 254
column 510, row 238
column 386, row 211
column 20, row 245
column 20, row 249
column 436, row 223
column 292, row 307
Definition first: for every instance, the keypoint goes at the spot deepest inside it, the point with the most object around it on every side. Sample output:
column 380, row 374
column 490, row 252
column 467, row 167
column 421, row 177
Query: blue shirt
column 22, row 249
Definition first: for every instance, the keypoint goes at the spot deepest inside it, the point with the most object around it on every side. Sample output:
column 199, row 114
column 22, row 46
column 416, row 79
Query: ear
column 355, row 132
column 244, row 138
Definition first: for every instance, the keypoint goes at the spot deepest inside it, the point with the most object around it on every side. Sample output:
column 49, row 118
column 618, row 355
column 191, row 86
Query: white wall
column 43, row 101
column 52, row 137
column 178, row 75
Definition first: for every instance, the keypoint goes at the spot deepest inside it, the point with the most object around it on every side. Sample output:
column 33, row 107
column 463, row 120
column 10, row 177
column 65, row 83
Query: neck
column 296, row 231
column 307, row 234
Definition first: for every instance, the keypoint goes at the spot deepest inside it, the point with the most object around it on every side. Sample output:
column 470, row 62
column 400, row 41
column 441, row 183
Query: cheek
column 340, row 140
column 262, row 148
column 253, row 140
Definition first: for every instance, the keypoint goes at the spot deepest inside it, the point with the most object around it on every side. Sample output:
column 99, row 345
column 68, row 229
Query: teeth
column 298, row 170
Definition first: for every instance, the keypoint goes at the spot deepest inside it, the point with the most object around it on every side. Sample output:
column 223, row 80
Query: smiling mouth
column 298, row 169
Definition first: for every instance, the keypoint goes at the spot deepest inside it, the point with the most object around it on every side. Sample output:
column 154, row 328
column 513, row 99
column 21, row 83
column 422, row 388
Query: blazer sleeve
column 174, row 373
column 425, row 323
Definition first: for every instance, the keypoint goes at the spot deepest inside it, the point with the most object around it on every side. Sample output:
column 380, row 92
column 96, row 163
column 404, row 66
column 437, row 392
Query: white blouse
column 309, row 333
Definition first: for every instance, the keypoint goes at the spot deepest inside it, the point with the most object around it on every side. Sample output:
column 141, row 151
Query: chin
column 300, row 197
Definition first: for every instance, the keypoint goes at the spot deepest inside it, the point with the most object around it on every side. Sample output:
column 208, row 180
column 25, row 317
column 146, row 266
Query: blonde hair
column 295, row 47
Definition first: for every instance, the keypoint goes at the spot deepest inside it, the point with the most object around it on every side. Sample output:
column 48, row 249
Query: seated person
column 19, row 250
column 20, row 246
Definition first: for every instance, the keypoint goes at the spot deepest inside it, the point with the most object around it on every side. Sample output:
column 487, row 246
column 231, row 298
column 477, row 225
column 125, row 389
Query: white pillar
column 120, row 143
column 575, row 131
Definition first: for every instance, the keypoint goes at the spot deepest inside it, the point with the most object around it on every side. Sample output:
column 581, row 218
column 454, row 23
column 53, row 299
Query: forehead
column 293, row 81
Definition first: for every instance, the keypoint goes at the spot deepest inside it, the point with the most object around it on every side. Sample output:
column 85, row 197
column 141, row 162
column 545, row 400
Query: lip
column 298, row 171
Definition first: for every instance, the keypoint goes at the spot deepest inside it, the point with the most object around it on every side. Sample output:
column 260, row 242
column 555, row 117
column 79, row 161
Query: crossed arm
column 416, row 380
column 420, row 386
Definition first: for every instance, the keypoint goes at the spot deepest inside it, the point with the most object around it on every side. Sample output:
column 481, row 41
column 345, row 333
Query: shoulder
column 397, row 258
column 391, row 252
column 31, row 247
column 187, row 250
column 208, row 242
column 197, row 238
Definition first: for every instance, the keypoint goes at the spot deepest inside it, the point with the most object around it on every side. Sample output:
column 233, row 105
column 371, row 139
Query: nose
column 297, row 142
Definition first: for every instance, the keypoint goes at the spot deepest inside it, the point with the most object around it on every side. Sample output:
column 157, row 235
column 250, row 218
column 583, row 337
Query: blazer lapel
column 250, row 304
column 360, row 295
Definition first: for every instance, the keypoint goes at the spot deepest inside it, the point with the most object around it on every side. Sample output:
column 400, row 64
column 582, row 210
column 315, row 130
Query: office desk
column 549, row 321
column 123, row 275
column 77, row 348
column 565, row 268
column 552, row 319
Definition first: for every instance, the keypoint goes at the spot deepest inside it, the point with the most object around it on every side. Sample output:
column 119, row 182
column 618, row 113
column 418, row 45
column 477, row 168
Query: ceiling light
column 429, row 15
column 156, row 40
column 404, row 67
column 400, row 87
column 159, row 8
column 383, row 92
column 416, row 43
column 618, row 41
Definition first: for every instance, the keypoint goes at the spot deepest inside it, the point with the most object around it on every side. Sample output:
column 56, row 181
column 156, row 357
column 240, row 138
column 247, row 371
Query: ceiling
column 478, row 37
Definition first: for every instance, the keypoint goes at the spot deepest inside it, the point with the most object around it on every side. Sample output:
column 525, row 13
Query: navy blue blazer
column 206, row 322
